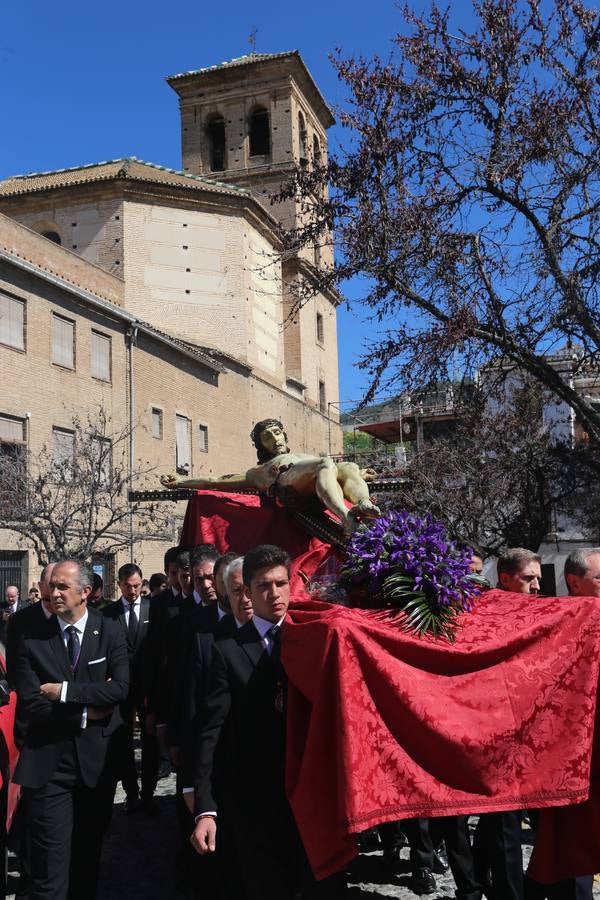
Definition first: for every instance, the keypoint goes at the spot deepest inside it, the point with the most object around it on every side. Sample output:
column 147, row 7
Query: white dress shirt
column 80, row 626
column 137, row 606
column 263, row 626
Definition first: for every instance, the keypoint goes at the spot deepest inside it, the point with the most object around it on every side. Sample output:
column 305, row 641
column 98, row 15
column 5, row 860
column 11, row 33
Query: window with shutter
column 157, row 423
column 63, row 342
column 102, row 459
column 183, row 449
column 63, row 447
column 101, row 353
column 12, row 322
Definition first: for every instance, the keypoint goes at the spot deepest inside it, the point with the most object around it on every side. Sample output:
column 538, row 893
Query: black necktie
column 132, row 626
column 274, row 634
column 73, row 645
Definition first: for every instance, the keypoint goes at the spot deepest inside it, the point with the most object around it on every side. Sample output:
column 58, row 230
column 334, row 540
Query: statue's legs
column 319, row 476
column 332, row 483
column 355, row 489
column 353, row 485
column 328, row 489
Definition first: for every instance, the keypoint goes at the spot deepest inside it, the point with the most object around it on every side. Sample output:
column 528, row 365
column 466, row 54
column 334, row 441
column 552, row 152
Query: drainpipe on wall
column 131, row 338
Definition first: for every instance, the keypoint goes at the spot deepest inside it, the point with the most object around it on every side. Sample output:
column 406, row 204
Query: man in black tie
column 132, row 612
column 71, row 674
column 240, row 755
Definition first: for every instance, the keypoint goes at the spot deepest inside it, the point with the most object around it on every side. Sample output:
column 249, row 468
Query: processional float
column 413, row 691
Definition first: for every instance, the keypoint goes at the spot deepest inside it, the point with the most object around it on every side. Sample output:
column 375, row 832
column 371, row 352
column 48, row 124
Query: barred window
column 203, row 438
column 13, row 467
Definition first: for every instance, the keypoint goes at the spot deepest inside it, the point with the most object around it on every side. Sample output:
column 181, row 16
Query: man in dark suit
column 25, row 622
column 239, row 773
column 25, row 618
column 178, row 630
column 132, row 612
column 164, row 606
column 71, row 675
column 11, row 604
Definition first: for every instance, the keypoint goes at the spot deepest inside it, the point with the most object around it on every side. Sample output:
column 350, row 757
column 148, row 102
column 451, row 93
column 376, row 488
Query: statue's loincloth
column 289, row 497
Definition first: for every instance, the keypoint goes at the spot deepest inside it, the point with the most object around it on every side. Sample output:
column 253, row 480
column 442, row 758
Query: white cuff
column 187, row 790
column 203, row 815
column 63, row 692
column 83, row 723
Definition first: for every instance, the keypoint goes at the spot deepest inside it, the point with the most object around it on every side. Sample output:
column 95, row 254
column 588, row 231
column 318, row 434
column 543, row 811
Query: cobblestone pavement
column 138, row 860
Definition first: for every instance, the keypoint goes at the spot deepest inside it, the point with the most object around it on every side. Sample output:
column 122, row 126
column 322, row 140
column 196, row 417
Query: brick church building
column 161, row 295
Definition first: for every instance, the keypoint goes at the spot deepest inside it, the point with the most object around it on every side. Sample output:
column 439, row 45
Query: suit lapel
column 90, row 643
column 143, row 621
column 250, row 641
column 58, row 646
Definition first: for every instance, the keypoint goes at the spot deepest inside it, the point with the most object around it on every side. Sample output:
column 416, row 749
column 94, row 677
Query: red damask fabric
column 383, row 726
column 241, row 521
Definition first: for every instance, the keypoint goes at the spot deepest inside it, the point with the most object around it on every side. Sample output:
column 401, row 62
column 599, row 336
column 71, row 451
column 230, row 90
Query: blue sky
column 84, row 82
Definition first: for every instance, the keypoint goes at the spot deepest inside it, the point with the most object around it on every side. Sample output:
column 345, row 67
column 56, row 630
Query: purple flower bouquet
column 407, row 565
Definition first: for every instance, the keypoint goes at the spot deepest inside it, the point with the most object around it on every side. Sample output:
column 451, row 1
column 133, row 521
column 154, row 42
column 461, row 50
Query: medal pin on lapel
column 96, row 632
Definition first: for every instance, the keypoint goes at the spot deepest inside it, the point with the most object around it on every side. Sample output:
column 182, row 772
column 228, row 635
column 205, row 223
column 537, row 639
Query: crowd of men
column 193, row 658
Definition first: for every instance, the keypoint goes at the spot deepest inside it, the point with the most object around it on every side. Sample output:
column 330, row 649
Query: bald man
column 26, row 618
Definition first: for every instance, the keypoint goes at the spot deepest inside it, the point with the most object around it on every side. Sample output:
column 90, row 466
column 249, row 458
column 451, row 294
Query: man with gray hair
column 240, row 602
column 582, row 572
column 497, row 843
column 520, row 571
column 71, row 674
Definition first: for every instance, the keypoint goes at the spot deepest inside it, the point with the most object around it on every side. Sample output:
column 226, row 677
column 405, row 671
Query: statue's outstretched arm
column 222, row 483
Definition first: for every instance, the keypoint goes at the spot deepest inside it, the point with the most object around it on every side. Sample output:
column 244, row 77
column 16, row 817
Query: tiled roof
column 234, row 63
column 129, row 168
column 203, row 353
column 247, row 60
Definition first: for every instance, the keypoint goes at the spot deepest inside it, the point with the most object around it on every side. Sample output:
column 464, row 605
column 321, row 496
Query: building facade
column 161, row 297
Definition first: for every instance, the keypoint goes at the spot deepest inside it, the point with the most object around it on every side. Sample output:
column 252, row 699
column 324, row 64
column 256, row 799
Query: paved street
column 139, row 854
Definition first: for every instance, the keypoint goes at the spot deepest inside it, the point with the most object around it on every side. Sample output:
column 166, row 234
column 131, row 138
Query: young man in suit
column 71, row 675
column 240, row 756
column 132, row 612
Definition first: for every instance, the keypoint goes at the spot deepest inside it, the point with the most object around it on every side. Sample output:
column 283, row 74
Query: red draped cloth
column 383, row 726
column 241, row 521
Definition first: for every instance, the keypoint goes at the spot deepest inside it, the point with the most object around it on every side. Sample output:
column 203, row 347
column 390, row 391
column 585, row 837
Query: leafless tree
column 500, row 479
column 70, row 500
column 468, row 196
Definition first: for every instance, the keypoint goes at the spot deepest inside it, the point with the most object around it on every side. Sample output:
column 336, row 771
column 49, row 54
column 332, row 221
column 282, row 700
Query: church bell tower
column 249, row 122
